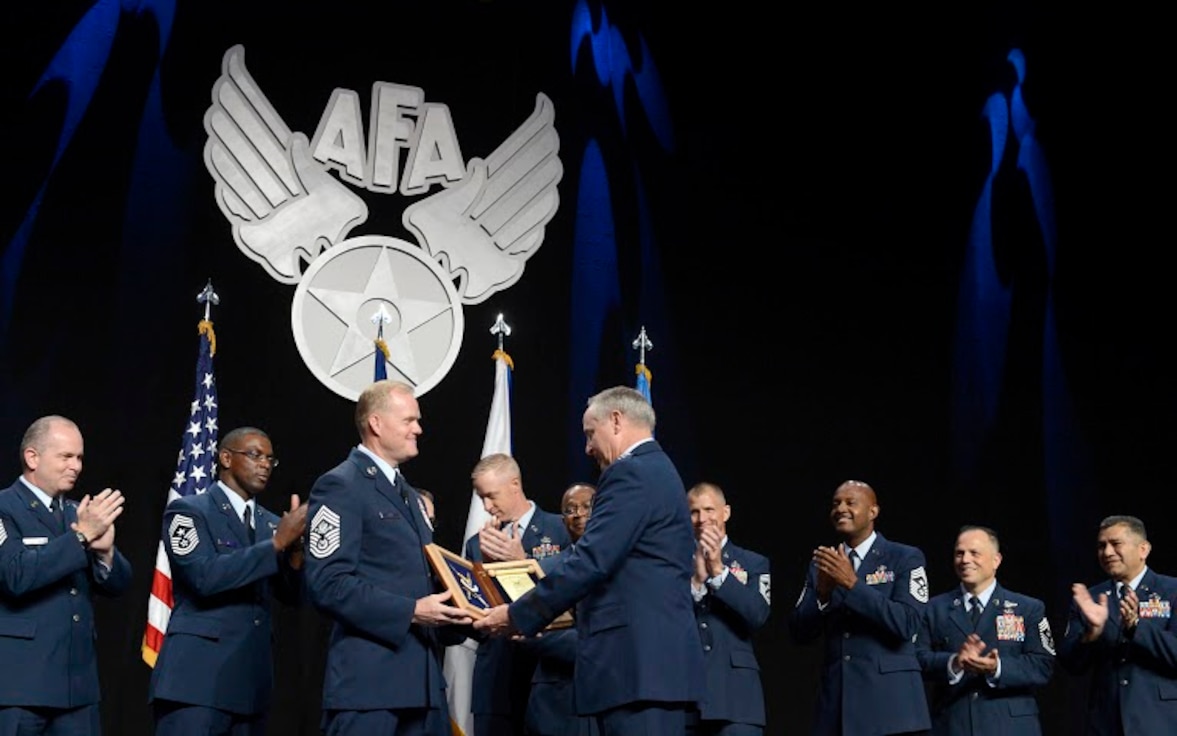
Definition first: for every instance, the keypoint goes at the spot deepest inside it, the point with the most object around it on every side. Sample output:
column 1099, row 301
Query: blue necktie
column 975, row 611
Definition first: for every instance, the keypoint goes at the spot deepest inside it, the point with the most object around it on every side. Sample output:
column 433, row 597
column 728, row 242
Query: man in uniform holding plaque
column 517, row 530
column 639, row 661
column 366, row 569
column 1121, row 632
column 731, row 588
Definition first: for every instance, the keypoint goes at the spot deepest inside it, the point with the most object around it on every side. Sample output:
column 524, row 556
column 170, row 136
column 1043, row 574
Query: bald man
column 55, row 554
column 867, row 595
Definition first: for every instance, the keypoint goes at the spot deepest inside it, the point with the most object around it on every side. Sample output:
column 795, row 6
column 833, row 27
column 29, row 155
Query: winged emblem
column 280, row 202
column 485, row 227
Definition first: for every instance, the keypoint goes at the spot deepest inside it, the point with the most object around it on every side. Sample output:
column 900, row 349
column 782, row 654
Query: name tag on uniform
column 1154, row 607
column 1011, row 627
column 35, row 541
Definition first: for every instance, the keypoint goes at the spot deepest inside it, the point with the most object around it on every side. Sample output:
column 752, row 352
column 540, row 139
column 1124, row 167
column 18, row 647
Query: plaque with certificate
column 478, row 587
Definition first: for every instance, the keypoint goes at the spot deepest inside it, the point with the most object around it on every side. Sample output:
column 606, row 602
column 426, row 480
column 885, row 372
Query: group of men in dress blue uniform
column 665, row 604
column 982, row 651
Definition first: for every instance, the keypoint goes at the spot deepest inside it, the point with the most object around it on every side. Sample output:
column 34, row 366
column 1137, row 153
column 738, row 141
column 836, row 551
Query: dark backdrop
column 809, row 218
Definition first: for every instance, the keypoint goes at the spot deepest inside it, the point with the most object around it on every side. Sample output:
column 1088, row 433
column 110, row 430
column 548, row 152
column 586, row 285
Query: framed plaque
column 478, row 587
column 472, row 589
column 514, row 578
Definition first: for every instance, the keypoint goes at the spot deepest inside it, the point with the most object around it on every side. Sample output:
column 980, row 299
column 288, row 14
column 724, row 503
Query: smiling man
column 366, row 569
column 54, row 553
column 1121, row 632
column 867, row 596
column 985, row 650
column 732, row 592
column 228, row 557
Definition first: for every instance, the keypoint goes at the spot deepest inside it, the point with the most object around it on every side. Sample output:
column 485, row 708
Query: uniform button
column 974, row 696
column 73, row 591
column 257, row 622
column 1123, row 682
column 77, row 618
column 707, row 647
column 846, row 657
column 703, row 625
column 846, row 635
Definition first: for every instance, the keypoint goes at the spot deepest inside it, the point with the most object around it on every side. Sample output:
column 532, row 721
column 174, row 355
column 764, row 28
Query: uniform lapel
column 38, row 510
column 959, row 616
column 232, row 520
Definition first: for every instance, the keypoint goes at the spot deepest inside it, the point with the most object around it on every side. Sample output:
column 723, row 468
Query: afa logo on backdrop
column 291, row 210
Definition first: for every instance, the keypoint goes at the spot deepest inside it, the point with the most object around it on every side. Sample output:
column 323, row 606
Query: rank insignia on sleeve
column 1046, row 637
column 182, row 535
column 324, row 536
column 918, row 585
column 1154, row 607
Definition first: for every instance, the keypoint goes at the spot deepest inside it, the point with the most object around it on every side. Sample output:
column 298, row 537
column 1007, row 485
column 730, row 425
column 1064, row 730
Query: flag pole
column 380, row 318
column 459, row 659
column 642, row 343
column 195, row 472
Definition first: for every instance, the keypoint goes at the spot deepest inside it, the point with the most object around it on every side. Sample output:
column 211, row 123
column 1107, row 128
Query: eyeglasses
column 584, row 510
column 255, row 456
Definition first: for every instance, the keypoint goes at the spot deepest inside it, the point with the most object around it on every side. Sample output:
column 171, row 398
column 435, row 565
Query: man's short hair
column 628, row 401
column 988, row 532
column 230, row 440
column 38, row 431
column 1135, row 525
column 498, row 463
column 700, row 488
column 376, row 397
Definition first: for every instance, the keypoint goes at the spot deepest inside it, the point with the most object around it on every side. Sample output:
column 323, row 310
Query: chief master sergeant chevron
column 870, row 614
column 53, row 554
column 366, row 569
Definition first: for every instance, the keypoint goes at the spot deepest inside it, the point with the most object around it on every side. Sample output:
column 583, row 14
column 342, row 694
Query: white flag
column 459, row 659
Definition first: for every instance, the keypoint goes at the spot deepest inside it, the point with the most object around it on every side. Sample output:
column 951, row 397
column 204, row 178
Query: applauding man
column 53, row 554
column 227, row 556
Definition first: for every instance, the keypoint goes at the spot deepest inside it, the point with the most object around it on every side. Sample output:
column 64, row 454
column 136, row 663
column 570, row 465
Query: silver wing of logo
column 280, row 202
column 486, row 226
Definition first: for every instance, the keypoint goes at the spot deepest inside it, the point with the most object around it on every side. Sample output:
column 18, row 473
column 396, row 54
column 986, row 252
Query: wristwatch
column 81, row 537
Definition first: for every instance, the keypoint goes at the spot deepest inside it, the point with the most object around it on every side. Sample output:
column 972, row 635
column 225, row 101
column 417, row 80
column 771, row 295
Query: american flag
column 195, row 472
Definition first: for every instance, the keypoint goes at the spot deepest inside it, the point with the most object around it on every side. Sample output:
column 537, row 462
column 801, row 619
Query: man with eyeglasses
column 229, row 557
column 732, row 592
column 517, row 529
column 551, row 706
column 54, row 553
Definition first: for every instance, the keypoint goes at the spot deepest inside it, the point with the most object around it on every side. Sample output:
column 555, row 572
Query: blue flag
column 381, row 371
column 643, row 383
